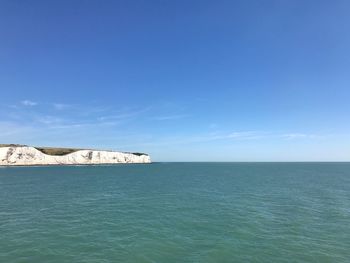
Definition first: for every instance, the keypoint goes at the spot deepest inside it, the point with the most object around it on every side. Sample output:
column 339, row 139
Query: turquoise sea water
column 176, row 212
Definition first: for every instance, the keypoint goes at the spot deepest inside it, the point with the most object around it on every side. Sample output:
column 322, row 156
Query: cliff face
column 24, row 155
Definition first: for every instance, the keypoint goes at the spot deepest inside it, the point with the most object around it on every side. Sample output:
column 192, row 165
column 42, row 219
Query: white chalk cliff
column 24, row 155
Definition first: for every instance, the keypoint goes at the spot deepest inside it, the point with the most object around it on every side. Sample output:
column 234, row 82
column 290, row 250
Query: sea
column 176, row 212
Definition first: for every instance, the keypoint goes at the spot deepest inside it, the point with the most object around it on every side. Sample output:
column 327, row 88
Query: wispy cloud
column 236, row 135
column 48, row 119
column 61, row 116
column 292, row 136
column 170, row 117
column 94, row 124
column 123, row 114
column 251, row 135
column 229, row 137
column 28, row 103
column 204, row 138
column 61, row 106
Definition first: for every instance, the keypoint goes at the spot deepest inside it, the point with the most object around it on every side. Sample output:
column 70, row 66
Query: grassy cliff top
column 55, row 150
column 46, row 150
column 12, row 145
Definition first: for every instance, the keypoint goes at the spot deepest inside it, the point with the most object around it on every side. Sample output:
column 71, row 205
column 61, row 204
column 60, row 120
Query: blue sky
column 180, row 80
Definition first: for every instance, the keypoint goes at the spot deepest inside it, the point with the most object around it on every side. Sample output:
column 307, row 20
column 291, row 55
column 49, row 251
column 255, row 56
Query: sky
column 181, row 80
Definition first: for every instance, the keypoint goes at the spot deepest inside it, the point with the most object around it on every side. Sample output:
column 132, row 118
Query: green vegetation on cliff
column 12, row 145
column 56, row 151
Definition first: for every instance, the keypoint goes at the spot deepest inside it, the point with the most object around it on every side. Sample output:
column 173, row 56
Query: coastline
column 31, row 156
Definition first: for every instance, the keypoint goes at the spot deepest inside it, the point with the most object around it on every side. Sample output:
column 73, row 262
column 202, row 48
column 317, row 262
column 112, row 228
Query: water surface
column 176, row 212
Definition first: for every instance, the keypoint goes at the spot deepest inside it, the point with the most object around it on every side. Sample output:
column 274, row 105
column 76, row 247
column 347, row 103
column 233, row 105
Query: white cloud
column 170, row 117
column 246, row 134
column 291, row 136
column 28, row 103
column 61, row 106
column 48, row 120
column 123, row 114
